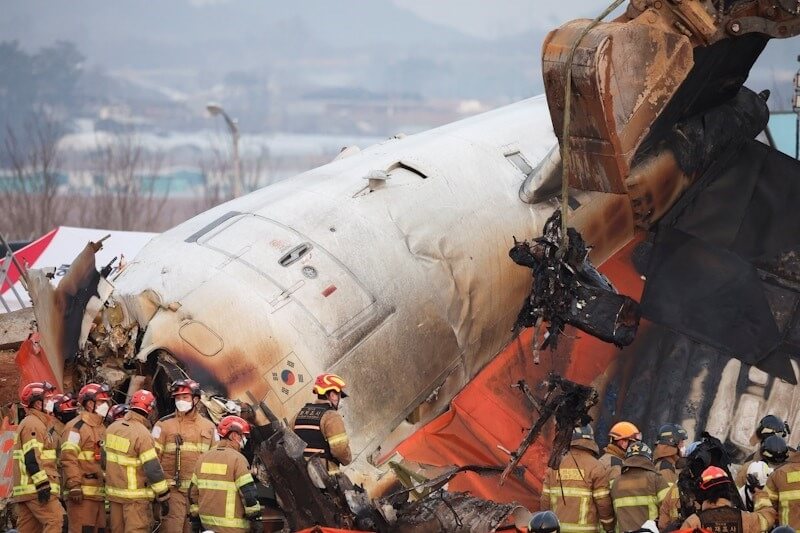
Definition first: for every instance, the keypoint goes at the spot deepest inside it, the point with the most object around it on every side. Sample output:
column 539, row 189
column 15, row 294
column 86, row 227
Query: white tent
column 58, row 248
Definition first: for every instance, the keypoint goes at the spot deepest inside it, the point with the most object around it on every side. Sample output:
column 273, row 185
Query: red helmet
column 94, row 392
column 38, row 390
column 64, row 403
column 235, row 424
column 185, row 386
column 329, row 382
column 143, row 400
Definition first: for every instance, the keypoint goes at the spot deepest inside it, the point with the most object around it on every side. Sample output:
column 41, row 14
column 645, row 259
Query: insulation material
column 490, row 416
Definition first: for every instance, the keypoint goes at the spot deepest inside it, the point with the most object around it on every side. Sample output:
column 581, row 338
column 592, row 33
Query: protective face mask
column 682, row 451
column 102, row 409
column 183, row 406
column 48, row 406
column 244, row 441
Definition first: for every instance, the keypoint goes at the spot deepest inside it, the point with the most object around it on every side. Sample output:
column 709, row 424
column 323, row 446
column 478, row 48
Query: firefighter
column 133, row 474
column 544, row 522
column 180, row 440
column 63, row 408
column 80, row 460
column 322, row 427
column 578, row 490
column 223, row 493
column 767, row 426
column 669, row 512
column 670, row 446
column 783, row 490
column 621, row 434
column 639, row 490
column 717, row 512
column 35, row 476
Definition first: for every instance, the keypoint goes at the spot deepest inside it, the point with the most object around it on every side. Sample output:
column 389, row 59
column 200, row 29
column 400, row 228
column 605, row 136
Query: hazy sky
column 494, row 18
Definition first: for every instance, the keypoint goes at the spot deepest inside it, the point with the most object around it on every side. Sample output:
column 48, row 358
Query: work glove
column 75, row 495
column 164, row 501
column 197, row 526
column 43, row 492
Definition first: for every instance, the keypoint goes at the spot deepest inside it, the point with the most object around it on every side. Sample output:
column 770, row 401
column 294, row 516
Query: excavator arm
column 634, row 78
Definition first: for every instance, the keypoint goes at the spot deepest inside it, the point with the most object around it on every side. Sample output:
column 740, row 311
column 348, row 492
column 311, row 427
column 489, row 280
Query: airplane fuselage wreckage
column 390, row 265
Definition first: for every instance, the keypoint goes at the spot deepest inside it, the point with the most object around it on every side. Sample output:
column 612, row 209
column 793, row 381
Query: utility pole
column 796, row 109
column 233, row 128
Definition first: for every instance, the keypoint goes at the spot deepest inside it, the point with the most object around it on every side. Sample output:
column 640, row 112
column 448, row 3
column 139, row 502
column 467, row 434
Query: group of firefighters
column 113, row 472
column 630, row 487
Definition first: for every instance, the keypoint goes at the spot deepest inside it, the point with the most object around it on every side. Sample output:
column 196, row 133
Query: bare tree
column 126, row 194
column 218, row 173
column 30, row 181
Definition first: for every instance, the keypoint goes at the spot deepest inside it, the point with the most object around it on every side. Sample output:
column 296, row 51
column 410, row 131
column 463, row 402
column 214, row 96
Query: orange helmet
column 94, row 392
column 329, row 382
column 233, row 424
column 33, row 392
column 144, row 401
column 624, row 430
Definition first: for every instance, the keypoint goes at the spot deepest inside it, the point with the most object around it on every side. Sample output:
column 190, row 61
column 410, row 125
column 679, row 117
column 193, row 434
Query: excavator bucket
column 623, row 76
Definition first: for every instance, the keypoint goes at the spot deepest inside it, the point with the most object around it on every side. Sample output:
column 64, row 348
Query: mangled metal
column 568, row 289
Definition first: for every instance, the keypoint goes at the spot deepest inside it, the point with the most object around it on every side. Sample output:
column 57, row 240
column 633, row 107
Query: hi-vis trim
column 219, row 469
column 117, row 443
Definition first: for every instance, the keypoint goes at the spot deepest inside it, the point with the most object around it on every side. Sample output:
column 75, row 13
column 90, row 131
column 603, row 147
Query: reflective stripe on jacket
column 33, row 457
column 132, row 468
column 196, row 434
column 80, row 455
column 222, row 491
column 578, row 491
column 783, row 490
column 637, row 493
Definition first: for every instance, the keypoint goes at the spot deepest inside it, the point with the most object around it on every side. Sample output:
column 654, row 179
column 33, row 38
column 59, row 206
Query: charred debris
column 568, row 289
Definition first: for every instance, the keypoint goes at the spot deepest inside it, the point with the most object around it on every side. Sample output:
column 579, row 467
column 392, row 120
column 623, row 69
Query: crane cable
column 562, row 249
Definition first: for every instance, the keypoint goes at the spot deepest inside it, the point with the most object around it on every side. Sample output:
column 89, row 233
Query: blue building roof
column 783, row 127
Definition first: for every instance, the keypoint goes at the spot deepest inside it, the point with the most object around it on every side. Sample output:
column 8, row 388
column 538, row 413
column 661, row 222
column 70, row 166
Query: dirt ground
column 9, row 378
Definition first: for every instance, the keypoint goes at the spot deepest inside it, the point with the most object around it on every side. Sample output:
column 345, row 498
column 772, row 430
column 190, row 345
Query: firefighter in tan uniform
column 322, row 427
column 620, row 436
column 783, row 490
column 223, row 494
column 181, row 438
column 578, row 491
column 62, row 408
column 718, row 513
column 35, row 475
column 639, row 491
column 133, row 474
column 767, row 426
column 80, row 459
column 670, row 446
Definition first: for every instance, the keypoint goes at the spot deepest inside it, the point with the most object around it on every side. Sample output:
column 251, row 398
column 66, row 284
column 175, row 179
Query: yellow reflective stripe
column 86, row 456
column 39, row 477
column 601, row 493
column 773, row 496
column 215, row 484
column 639, row 501
column 198, row 447
column 160, row 487
column 762, row 503
column 569, row 527
column 572, row 491
column 786, row 497
column 148, row 455
column 117, row 443
column 122, row 460
column 31, row 444
column 335, row 440
column 69, row 446
column 219, row 469
column 159, row 446
column 764, row 523
column 48, row 455
column 131, row 494
column 244, row 480
column 209, row 520
column 571, row 474
column 662, row 494
column 89, row 490
column 252, row 509
column 23, row 490
column 793, row 477
column 194, row 509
